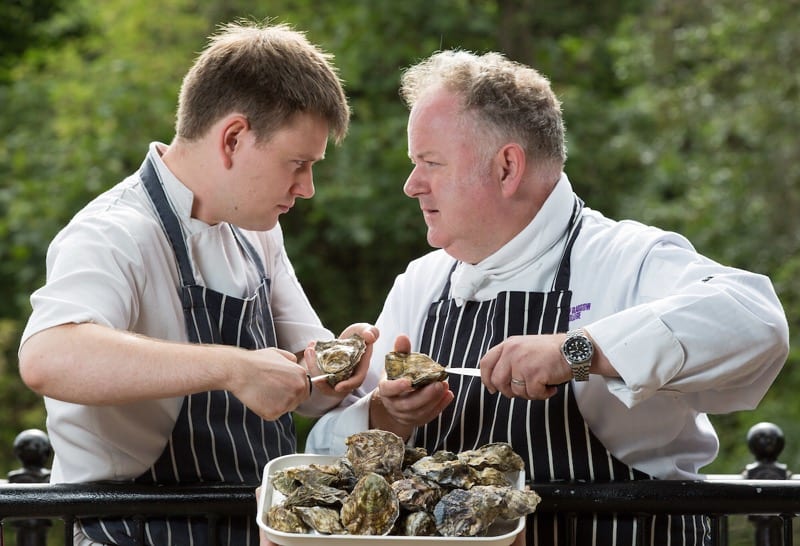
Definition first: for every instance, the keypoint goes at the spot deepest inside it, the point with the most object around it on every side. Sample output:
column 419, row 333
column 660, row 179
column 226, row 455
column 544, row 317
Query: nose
column 304, row 185
column 413, row 185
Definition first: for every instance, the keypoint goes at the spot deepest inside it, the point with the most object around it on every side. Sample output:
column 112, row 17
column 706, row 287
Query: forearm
column 96, row 365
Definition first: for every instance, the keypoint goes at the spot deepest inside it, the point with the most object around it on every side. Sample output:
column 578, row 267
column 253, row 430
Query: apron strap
column 169, row 220
column 174, row 231
column 561, row 281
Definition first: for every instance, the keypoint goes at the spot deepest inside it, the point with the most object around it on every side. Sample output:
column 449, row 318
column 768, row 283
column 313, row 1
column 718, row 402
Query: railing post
column 766, row 442
column 32, row 448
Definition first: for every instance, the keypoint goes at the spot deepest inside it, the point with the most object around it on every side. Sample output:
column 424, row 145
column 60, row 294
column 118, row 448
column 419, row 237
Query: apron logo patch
column 575, row 311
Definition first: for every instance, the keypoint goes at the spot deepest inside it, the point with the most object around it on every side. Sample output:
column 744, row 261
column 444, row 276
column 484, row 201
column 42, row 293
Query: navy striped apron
column 550, row 435
column 216, row 439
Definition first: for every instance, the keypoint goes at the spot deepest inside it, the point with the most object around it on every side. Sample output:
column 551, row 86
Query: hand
column 397, row 407
column 535, row 360
column 271, row 383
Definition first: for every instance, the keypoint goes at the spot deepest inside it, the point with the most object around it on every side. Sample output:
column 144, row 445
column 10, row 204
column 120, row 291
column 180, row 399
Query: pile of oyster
column 383, row 487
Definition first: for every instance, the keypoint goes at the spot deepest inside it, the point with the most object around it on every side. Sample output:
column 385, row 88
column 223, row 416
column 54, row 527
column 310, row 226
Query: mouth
column 427, row 213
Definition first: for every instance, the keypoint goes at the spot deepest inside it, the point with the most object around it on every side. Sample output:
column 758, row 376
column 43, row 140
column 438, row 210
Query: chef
column 602, row 345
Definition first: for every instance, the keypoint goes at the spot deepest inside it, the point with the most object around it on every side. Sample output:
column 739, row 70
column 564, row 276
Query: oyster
column 339, row 357
column 499, row 455
column 376, row 451
column 372, row 507
column 492, row 476
column 518, row 502
column 413, row 454
column 315, row 495
column 322, row 519
column 416, row 524
column 467, row 512
column 445, row 468
column 417, row 494
column 284, row 519
column 417, row 367
column 288, row 479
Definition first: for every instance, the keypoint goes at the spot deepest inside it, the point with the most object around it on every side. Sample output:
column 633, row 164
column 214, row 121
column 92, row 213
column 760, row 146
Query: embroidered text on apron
column 550, row 435
column 216, row 439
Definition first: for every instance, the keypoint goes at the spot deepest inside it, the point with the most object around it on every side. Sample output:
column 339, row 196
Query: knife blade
column 476, row 372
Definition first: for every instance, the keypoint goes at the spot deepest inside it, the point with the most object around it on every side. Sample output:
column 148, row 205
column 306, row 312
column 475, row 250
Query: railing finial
column 32, row 448
column 766, row 442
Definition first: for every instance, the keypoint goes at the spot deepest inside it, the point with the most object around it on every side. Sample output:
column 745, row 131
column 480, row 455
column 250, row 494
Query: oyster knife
column 476, row 372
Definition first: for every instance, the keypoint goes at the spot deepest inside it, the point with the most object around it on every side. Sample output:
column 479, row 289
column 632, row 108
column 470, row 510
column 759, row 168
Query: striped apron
column 550, row 435
column 216, row 439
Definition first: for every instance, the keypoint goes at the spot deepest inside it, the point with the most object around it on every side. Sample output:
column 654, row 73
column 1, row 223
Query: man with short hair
column 601, row 344
column 168, row 340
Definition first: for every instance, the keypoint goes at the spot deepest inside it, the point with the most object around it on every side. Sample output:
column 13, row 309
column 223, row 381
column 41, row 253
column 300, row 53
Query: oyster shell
column 372, row 508
column 413, row 454
column 499, row 455
column 492, row 476
column 339, row 357
column 416, row 524
column 284, row 519
column 417, row 494
column 289, row 479
column 518, row 502
column 315, row 495
column 467, row 512
column 419, row 368
column 376, row 451
column 445, row 468
column 322, row 519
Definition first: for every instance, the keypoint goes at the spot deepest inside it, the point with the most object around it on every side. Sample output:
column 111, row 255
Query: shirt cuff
column 641, row 348
column 328, row 435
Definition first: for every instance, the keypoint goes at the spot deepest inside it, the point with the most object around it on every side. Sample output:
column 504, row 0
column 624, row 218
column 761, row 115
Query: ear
column 510, row 165
column 231, row 141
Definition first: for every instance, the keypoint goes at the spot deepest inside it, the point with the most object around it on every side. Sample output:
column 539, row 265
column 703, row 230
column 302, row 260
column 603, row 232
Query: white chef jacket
column 687, row 335
column 113, row 265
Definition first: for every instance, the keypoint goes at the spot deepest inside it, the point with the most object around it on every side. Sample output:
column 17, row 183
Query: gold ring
column 517, row 382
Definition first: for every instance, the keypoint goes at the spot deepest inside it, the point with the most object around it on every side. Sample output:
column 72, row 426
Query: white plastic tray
column 501, row 533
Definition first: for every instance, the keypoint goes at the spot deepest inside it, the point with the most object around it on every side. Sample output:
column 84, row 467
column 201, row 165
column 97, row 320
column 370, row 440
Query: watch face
column 577, row 349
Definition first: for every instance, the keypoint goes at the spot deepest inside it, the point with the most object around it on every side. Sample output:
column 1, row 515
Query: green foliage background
column 681, row 113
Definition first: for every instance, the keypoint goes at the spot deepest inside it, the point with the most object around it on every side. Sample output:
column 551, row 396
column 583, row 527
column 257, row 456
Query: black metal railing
column 765, row 492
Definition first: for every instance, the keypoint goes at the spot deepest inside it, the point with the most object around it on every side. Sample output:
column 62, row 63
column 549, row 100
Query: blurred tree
column 704, row 139
column 679, row 113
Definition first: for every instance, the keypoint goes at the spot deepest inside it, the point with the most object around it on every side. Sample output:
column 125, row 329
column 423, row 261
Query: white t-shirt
column 113, row 265
column 686, row 334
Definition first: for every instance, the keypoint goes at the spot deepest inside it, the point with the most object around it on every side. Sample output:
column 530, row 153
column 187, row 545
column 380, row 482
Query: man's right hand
column 272, row 383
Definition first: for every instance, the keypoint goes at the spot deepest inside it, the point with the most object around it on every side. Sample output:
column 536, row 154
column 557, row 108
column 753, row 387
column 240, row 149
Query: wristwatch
column 578, row 350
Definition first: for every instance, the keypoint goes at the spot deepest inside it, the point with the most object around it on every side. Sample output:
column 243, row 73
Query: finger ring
column 517, row 382
column 310, row 384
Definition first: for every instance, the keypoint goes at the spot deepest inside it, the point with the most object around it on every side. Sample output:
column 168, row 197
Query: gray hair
column 508, row 99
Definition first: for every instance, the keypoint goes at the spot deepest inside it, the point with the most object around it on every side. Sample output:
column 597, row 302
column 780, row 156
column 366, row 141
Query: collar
column 181, row 198
column 546, row 229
